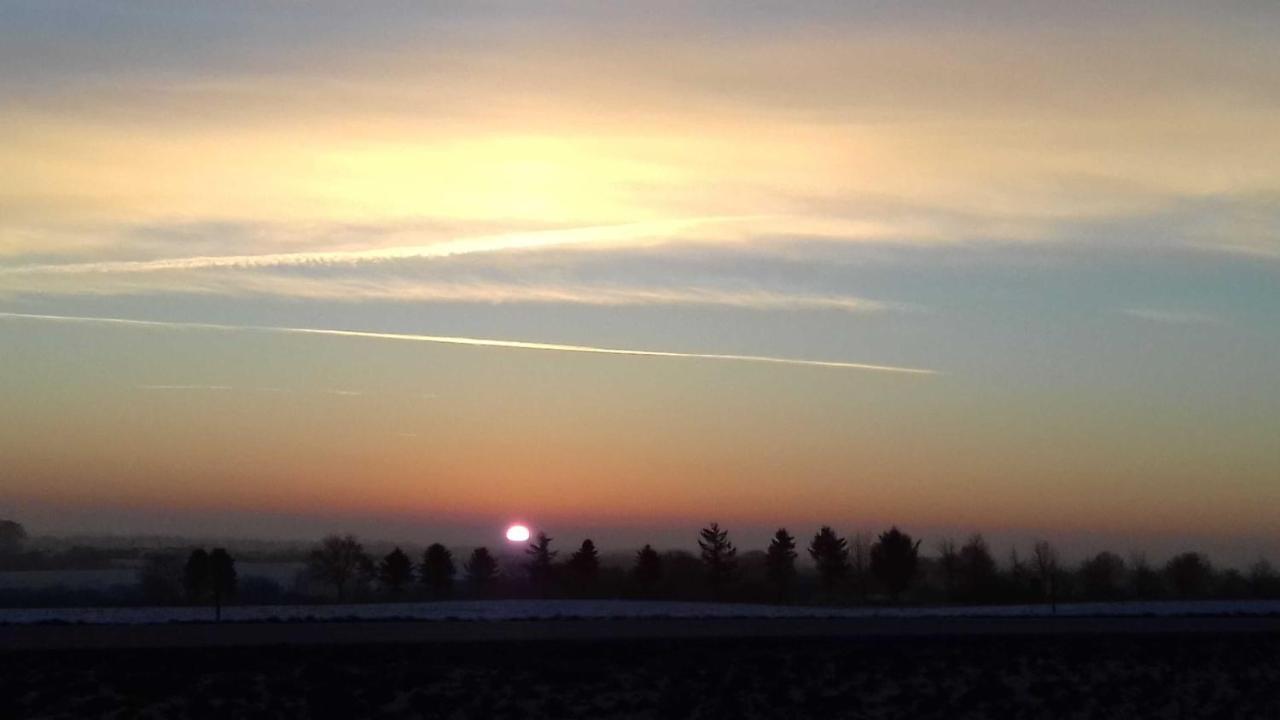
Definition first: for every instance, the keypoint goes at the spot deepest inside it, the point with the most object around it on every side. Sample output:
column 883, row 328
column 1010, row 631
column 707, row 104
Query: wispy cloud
column 596, row 235
column 332, row 288
column 184, row 387
column 480, row 342
column 1173, row 317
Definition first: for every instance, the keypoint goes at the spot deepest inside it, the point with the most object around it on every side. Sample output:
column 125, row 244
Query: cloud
column 431, row 272
column 1173, row 317
column 599, row 235
column 184, row 387
column 479, row 342
column 353, row 288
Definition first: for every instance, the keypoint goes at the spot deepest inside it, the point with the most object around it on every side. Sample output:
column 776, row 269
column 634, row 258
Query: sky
column 416, row 270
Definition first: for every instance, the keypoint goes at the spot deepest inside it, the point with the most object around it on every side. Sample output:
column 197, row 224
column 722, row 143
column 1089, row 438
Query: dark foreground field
column 860, row 675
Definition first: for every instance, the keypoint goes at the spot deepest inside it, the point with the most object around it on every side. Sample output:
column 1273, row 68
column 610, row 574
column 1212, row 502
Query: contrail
column 476, row 342
column 531, row 240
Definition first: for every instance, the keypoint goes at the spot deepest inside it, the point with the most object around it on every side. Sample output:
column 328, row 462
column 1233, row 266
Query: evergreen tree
column 437, row 570
column 719, row 556
column 482, row 569
column 893, row 561
column 648, row 569
column 541, row 564
column 830, row 553
column 222, row 577
column 395, row 571
column 584, row 567
column 780, row 563
column 196, row 578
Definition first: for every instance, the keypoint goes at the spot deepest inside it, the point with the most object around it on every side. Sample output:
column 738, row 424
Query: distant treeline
column 890, row 568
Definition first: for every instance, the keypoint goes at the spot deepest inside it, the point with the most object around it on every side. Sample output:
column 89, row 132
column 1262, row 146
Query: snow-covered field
column 586, row 609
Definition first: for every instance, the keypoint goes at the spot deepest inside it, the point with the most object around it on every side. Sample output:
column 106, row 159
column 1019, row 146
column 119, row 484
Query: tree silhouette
column 860, row 565
column 648, row 569
column 978, row 573
column 222, row 578
column 395, row 571
column 780, row 563
column 719, row 556
column 949, row 567
column 1022, row 586
column 830, row 553
column 340, row 561
column 197, row 581
column 12, row 536
column 541, row 564
column 584, row 567
column 437, row 570
column 1044, row 559
column 482, row 569
column 893, row 561
column 1102, row 576
column 1189, row 575
column 160, row 578
column 1264, row 583
column 1146, row 581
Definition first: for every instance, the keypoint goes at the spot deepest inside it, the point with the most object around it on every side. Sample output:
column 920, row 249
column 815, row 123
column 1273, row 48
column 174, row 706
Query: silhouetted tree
column 893, row 561
column 648, row 569
column 1022, row 587
column 1044, row 559
column 719, row 556
column 1102, row 577
column 222, row 578
column 340, row 561
column 949, row 567
column 197, row 581
column 1263, row 580
column 12, row 536
column 1145, row 580
column 1189, row 575
column 437, row 570
column 541, row 564
column 1231, row 585
column 584, row 567
column 860, row 566
column 780, row 564
column 160, row 578
column 978, row 574
column 482, row 569
column 830, row 554
column 395, row 571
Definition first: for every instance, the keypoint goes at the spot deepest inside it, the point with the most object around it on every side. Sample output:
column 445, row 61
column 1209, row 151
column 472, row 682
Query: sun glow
column 517, row 533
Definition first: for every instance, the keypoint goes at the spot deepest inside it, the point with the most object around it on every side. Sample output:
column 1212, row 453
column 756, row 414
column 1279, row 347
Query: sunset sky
column 280, row 268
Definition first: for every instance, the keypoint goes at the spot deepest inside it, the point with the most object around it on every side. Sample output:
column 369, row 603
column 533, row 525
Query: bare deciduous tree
column 1044, row 559
column 340, row 561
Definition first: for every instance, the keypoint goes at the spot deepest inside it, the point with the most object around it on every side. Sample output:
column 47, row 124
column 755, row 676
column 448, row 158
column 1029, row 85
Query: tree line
column 828, row 568
column 888, row 569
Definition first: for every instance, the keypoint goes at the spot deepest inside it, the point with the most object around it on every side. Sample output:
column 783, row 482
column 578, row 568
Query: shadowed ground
column 1162, row 671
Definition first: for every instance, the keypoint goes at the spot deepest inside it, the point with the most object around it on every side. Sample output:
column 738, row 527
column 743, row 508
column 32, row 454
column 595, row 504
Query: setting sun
column 517, row 533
